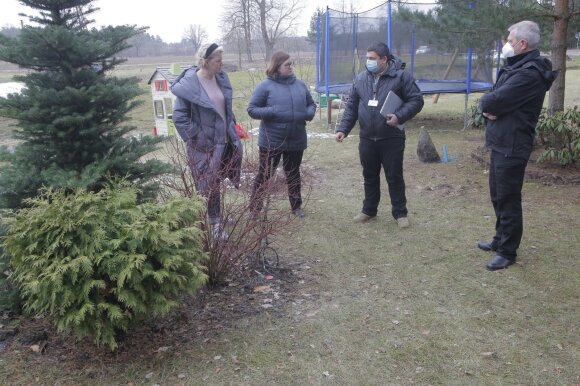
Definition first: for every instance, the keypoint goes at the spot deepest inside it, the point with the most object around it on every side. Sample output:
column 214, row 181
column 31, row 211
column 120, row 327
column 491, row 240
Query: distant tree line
column 146, row 45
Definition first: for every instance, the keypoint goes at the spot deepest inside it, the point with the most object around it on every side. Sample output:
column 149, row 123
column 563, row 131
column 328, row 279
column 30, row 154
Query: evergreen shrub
column 475, row 118
column 559, row 134
column 9, row 294
column 71, row 117
column 98, row 262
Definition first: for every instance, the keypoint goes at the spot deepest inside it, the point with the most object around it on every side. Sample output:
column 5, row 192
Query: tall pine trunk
column 561, row 18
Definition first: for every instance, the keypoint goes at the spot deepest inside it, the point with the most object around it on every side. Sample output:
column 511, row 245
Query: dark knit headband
column 209, row 50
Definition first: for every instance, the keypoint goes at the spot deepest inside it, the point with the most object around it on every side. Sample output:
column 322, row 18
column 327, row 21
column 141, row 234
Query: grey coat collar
column 188, row 87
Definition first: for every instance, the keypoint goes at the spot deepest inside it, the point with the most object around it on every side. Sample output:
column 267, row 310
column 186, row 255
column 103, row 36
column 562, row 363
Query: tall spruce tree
column 71, row 116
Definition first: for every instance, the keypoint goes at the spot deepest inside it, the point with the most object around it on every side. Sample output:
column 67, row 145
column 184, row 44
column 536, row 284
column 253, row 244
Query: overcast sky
column 170, row 25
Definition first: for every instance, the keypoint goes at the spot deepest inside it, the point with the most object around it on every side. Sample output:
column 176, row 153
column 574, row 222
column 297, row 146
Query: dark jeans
column 387, row 154
column 506, row 178
column 269, row 160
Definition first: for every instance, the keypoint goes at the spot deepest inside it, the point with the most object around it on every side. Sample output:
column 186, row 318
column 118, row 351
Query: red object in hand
column 242, row 133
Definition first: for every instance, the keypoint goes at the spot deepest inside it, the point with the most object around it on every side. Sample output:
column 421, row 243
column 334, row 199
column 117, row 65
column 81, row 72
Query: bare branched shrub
column 180, row 181
column 243, row 235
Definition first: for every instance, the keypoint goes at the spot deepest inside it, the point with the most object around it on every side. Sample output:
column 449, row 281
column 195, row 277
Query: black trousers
column 506, row 178
column 269, row 160
column 387, row 154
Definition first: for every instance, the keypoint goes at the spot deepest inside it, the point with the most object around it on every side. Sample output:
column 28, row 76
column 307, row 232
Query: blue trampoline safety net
column 439, row 67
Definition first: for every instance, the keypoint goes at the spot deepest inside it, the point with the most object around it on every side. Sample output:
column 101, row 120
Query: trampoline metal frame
column 427, row 86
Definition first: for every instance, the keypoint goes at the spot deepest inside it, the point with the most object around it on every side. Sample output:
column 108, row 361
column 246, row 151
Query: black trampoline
column 342, row 39
column 427, row 86
column 339, row 88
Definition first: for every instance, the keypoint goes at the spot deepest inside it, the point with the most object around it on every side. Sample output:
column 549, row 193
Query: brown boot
column 403, row 222
column 362, row 218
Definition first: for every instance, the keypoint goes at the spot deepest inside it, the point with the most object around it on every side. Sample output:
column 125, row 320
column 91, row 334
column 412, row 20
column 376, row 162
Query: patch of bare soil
column 257, row 288
column 545, row 173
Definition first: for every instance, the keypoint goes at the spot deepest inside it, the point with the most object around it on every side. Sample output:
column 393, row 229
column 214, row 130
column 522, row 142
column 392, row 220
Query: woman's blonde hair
column 208, row 51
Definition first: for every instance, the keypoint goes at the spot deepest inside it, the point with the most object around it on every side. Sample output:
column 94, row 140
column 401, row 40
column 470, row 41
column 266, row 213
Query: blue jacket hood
column 283, row 80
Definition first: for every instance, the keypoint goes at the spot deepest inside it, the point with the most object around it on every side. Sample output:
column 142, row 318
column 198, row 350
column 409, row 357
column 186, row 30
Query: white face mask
column 507, row 51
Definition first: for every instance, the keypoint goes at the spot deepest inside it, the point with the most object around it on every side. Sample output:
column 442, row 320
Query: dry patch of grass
column 419, row 306
column 377, row 305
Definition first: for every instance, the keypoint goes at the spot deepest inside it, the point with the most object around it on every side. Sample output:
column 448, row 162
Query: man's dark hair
column 381, row 49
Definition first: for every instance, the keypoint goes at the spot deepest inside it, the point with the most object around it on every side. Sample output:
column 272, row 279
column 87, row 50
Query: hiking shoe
column 403, row 222
column 362, row 218
column 298, row 212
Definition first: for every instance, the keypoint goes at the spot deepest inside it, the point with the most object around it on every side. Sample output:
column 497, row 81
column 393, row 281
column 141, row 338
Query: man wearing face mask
column 511, row 110
column 382, row 143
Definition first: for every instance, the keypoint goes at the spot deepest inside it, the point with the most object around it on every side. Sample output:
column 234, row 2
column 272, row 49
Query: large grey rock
column 426, row 149
column 336, row 103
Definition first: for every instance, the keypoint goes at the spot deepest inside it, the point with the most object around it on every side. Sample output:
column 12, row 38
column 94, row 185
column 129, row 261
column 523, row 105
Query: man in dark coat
column 382, row 141
column 512, row 110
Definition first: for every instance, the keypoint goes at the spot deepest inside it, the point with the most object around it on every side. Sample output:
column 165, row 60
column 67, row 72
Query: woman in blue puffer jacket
column 283, row 104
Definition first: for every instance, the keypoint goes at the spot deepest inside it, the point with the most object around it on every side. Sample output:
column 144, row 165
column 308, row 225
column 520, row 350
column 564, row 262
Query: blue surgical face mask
column 372, row 65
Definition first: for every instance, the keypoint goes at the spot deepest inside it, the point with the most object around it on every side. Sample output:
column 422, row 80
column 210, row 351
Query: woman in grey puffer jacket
column 204, row 118
column 283, row 104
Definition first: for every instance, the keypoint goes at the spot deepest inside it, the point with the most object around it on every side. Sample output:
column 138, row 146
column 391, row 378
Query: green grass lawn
column 375, row 305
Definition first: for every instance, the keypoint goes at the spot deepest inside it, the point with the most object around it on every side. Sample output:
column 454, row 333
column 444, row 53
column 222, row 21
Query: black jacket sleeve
column 518, row 90
column 350, row 112
column 411, row 96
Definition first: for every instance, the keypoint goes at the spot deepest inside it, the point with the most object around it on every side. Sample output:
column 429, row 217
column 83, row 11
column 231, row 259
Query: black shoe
column 499, row 262
column 485, row 246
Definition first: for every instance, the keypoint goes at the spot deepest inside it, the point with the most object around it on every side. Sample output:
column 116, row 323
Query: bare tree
column 238, row 19
column 563, row 12
column 276, row 19
column 196, row 35
column 235, row 40
column 138, row 42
